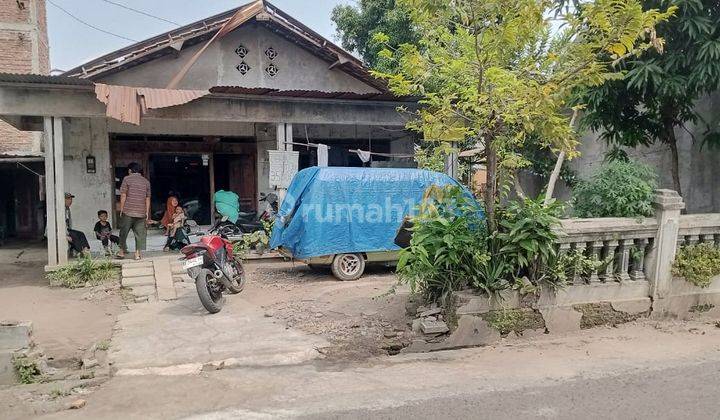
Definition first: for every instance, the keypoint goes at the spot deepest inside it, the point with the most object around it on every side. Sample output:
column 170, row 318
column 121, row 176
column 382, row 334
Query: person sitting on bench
column 77, row 240
column 103, row 231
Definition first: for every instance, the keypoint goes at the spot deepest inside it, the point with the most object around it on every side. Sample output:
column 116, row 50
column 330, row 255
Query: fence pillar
column 667, row 204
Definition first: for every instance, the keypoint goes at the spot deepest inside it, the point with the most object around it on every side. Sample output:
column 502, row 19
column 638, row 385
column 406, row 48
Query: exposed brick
column 16, row 56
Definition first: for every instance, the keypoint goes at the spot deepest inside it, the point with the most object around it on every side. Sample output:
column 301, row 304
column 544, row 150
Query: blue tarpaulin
column 338, row 210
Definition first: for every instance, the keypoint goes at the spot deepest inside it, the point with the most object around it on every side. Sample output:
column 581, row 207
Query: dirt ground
column 361, row 318
column 65, row 322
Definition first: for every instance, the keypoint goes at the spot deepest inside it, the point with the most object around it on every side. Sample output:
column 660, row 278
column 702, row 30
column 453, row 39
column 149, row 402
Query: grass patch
column 698, row 264
column 26, row 369
column 514, row 320
column 58, row 393
column 702, row 308
column 84, row 272
column 103, row 345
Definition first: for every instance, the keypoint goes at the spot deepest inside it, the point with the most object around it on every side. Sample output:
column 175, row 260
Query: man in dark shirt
column 76, row 239
column 134, row 209
column 103, row 231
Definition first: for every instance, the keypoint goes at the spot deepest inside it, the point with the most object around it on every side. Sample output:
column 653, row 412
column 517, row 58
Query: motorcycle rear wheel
column 211, row 298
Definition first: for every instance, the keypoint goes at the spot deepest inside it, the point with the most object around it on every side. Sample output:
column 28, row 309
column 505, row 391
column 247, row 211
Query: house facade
column 250, row 80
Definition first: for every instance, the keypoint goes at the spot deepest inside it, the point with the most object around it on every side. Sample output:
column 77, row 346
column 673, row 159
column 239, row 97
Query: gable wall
column 298, row 68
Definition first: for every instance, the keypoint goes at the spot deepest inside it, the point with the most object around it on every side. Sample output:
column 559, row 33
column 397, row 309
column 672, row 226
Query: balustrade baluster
column 693, row 239
column 624, row 259
column 595, row 252
column 638, row 272
column 609, row 274
column 577, row 277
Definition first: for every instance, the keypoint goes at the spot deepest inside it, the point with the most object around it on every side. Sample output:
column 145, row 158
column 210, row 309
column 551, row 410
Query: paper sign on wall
column 283, row 167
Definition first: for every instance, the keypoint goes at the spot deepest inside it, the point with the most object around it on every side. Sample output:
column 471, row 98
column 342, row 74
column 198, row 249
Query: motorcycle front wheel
column 209, row 291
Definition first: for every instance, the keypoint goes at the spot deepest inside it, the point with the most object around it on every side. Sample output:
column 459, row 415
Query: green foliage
column 698, row 264
column 26, row 369
column 103, row 345
column 659, row 89
column 565, row 266
column 501, row 72
column 447, row 242
column 84, row 272
column 617, row 189
column 526, row 232
column 514, row 320
column 258, row 240
column 357, row 25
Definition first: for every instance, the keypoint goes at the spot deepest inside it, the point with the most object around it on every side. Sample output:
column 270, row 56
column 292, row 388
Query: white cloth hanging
column 364, row 155
column 322, row 155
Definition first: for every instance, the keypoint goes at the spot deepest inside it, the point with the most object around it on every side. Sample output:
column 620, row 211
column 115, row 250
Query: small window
column 243, row 68
column 271, row 53
column 272, row 70
column 241, row 51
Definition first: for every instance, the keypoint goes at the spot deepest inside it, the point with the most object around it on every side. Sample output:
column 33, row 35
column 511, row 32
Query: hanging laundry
column 322, row 155
column 364, row 155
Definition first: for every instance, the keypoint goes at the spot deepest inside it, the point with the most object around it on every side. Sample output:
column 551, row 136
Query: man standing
column 77, row 240
column 134, row 209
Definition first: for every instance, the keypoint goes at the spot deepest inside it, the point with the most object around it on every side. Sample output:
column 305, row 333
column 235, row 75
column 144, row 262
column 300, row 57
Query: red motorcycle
column 215, row 268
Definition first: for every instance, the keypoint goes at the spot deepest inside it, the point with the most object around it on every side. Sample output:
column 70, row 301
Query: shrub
column 527, row 236
column 83, row 272
column 448, row 238
column 618, row 189
column 26, row 369
column 697, row 263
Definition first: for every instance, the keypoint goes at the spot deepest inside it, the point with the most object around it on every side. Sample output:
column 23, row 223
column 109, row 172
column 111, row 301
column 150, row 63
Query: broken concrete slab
column 430, row 312
column 561, row 319
column 428, row 326
column 7, row 368
column 632, row 306
column 15, row 335
column 471, row 331
column 180, row 336
column 144, row 291
column 138, row 281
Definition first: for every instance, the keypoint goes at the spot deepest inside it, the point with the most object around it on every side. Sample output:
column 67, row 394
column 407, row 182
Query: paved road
column 688, row 392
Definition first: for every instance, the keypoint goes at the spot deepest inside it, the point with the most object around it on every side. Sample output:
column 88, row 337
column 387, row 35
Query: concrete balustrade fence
column 637, row 279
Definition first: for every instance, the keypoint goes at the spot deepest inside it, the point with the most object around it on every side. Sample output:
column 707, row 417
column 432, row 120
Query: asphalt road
column 689, row 392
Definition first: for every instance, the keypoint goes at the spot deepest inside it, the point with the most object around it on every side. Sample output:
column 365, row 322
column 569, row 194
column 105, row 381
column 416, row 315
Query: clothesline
column 390, row 155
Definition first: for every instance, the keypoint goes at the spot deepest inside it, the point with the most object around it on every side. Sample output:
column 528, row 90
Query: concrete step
column 137, row 272
column 138, row 281
column 144, row 291
column 163, row 280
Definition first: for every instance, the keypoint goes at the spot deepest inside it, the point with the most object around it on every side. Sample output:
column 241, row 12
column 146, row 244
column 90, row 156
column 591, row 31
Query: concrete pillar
column 668, row 205
column 55, row 192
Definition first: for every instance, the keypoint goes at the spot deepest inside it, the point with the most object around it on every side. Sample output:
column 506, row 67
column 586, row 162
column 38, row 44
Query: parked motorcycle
column 250, row 222
column 215, row 268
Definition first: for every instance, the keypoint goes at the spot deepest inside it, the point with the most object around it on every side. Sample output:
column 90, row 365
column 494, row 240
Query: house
column 242, row 83
column 23, row 49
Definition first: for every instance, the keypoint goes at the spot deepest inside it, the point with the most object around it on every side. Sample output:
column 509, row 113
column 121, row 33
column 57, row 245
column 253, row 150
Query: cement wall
column 298, row 68
column 699, row 169
column 93, row 192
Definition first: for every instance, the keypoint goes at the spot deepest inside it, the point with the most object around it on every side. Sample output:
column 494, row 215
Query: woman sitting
column 174, row 221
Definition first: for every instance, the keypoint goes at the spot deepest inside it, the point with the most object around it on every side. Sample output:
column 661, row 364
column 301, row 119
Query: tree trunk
column 671, row 141
column 558, row 167
column 491, row 186
column 675, row 165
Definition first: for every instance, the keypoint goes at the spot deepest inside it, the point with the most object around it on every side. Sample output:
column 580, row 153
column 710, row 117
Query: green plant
column 268, row 227
column 514, row 320
column 447, row 242
column 698, row 264
column 26, row 369
column 255, row 240
column 527, row 236
column 564, row 267
column 83, row 272
column 103, row 345
column 617, row 189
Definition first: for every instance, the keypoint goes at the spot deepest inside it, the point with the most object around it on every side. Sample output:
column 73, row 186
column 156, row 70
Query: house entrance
column 186, row 177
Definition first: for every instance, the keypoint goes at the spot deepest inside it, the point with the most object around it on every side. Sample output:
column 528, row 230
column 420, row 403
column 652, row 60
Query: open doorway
column 187, row 176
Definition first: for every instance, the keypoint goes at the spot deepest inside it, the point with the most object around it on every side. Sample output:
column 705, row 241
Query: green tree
column 356, row 26
column 659, row 90
column 501, row 74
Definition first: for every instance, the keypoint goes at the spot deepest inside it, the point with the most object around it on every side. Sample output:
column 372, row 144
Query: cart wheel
column 347, row 267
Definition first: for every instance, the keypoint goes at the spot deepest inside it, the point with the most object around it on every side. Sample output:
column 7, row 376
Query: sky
column 72, row 43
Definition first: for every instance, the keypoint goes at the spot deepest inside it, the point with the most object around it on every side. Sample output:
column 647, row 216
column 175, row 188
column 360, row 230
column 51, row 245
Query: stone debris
column 77, row 404
column 429, row 326
column 90, row 363
column 430, row 312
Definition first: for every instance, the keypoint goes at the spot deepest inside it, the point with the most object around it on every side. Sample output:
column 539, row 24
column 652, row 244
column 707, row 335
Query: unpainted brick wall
column 21, row 23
